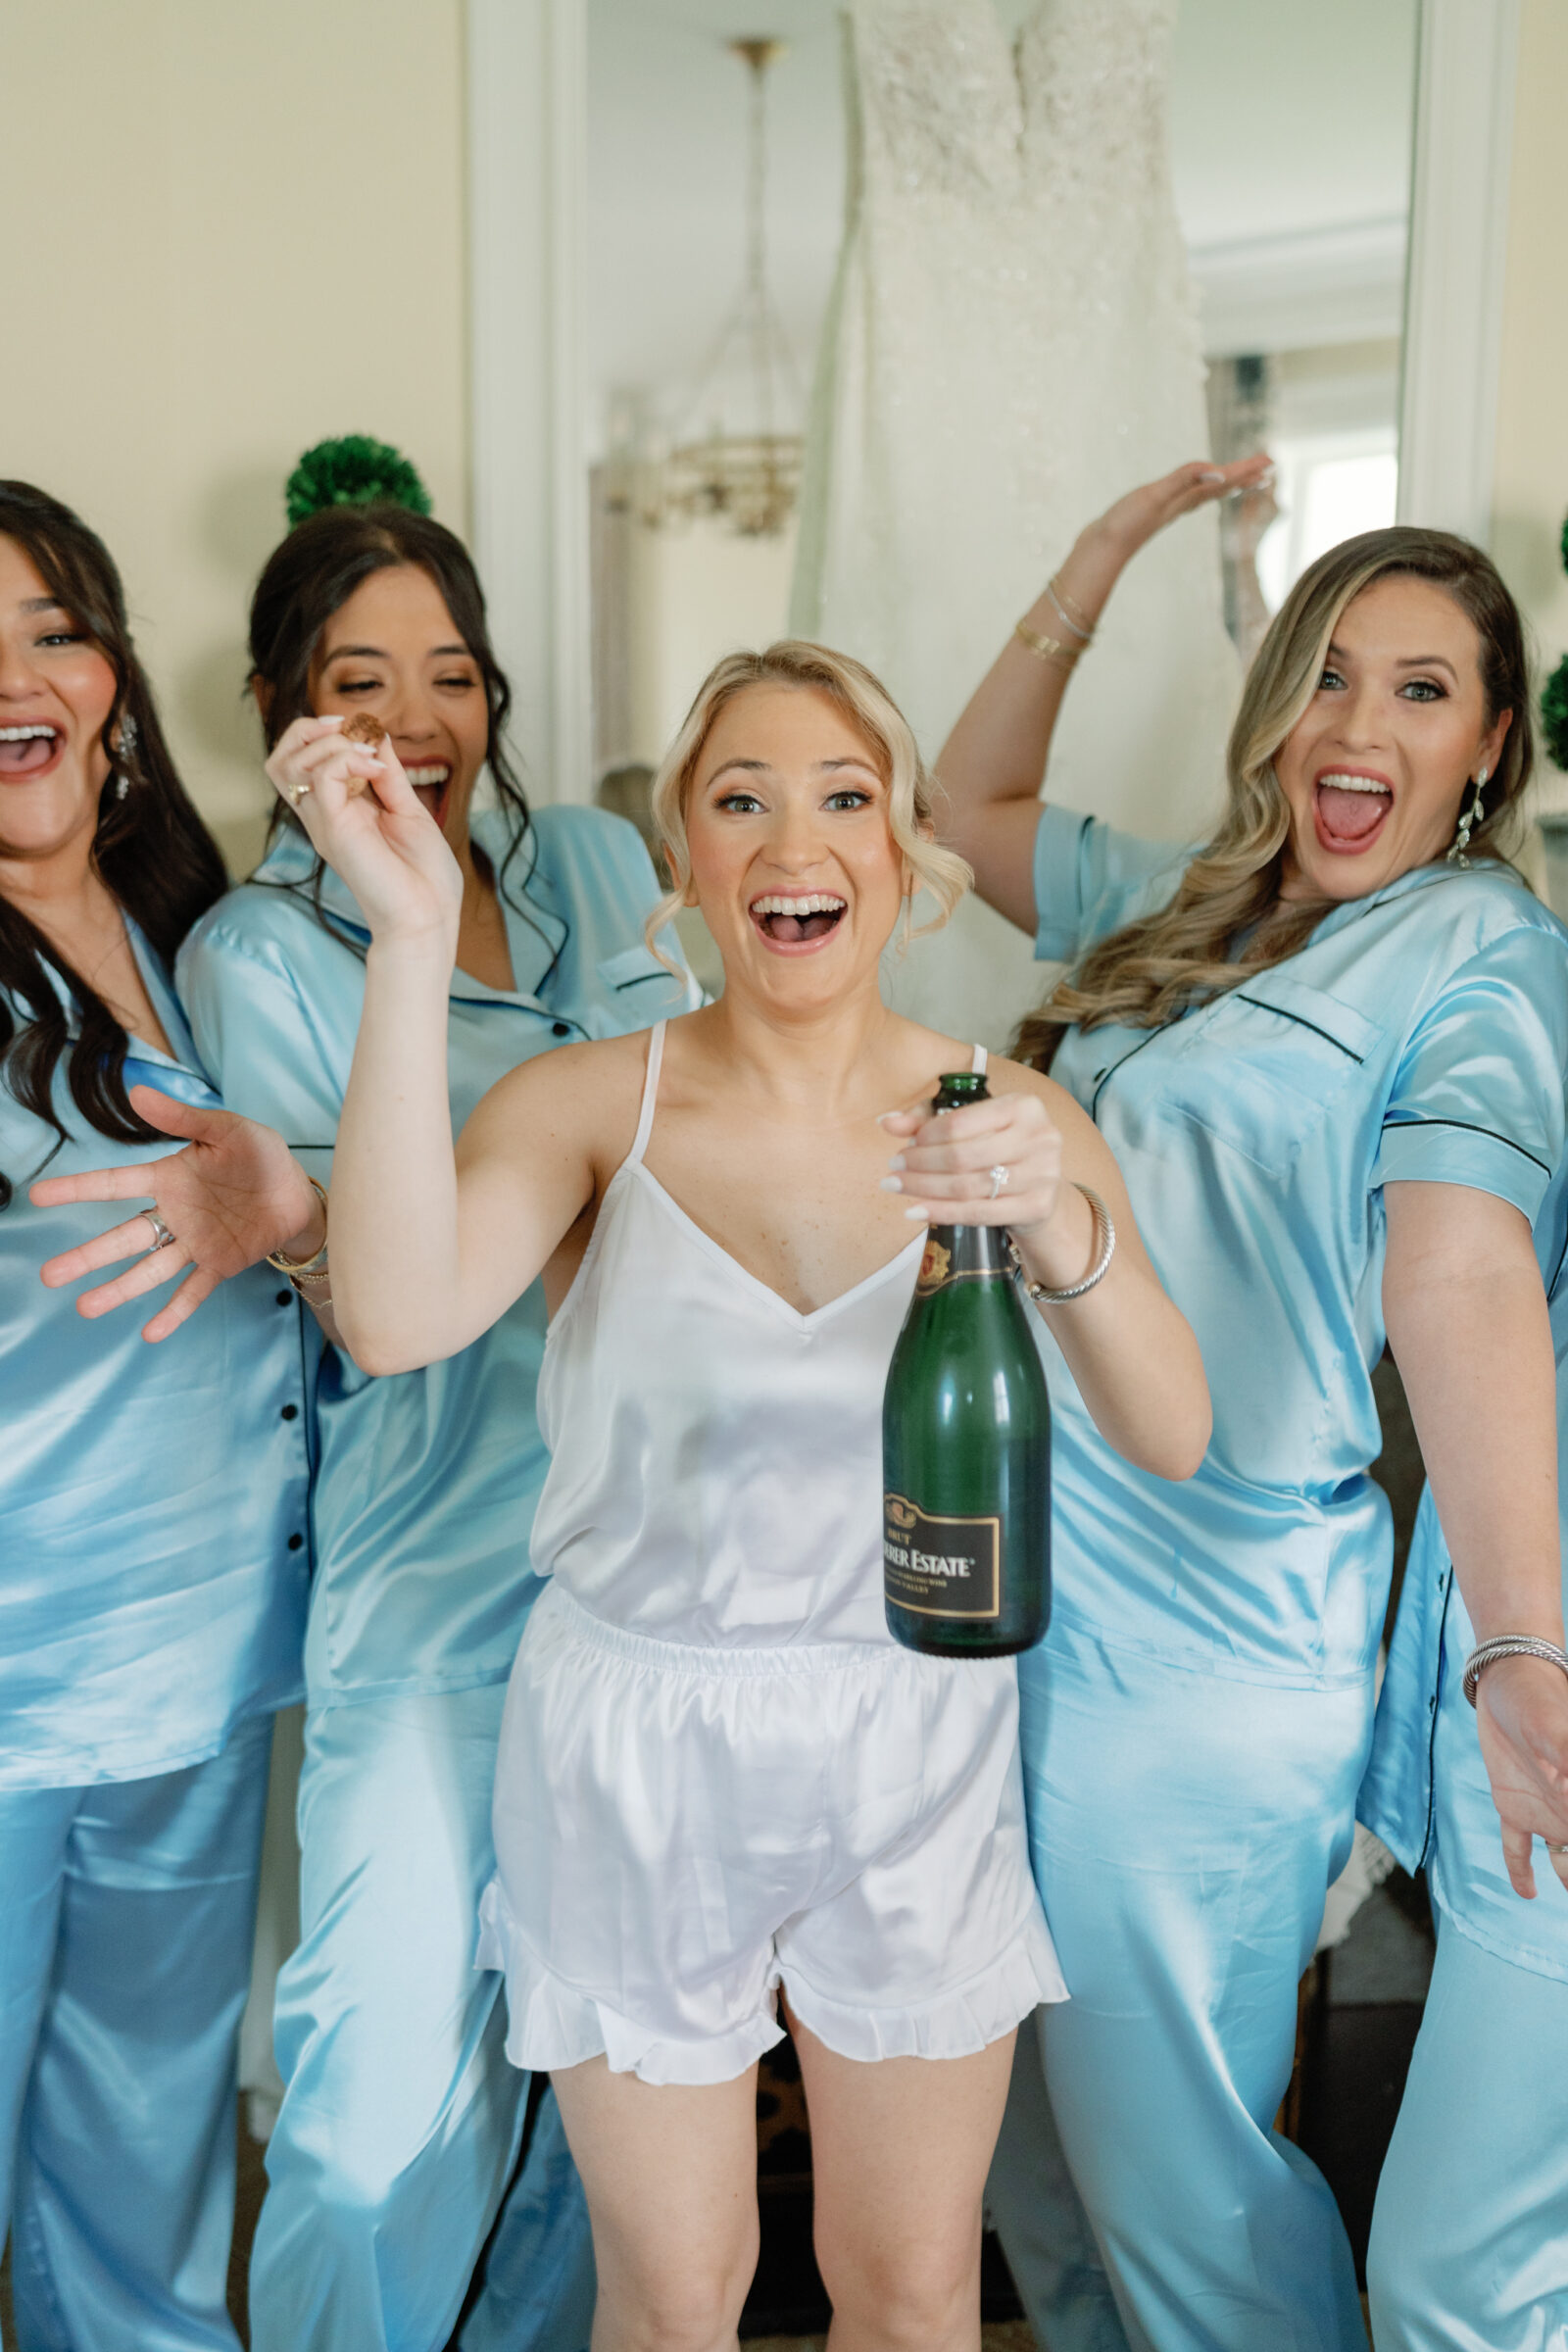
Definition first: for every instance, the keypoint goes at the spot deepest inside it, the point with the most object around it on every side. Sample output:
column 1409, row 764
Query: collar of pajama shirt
column 154, row 1555
column 426, row 1482
column 1421, row 1034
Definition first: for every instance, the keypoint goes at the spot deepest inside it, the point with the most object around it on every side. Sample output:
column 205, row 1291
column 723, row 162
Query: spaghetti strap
column 645, row 1117
column 977, row 1068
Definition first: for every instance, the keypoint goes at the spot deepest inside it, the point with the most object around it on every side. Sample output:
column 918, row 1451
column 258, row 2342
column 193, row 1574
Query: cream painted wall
column 1530, row 481
column 230, row 230
column 696, row 594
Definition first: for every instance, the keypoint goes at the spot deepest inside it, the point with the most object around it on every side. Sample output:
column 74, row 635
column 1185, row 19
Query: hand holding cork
column 343, row 781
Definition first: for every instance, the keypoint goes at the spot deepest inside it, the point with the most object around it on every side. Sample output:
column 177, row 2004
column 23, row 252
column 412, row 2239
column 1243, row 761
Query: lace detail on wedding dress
column 1012, row 342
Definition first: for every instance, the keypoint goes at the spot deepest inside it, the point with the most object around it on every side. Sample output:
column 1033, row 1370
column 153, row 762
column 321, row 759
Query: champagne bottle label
column 940, row 1567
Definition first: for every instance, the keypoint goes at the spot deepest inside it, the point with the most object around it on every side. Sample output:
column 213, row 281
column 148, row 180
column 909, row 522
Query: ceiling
column 1290, row 138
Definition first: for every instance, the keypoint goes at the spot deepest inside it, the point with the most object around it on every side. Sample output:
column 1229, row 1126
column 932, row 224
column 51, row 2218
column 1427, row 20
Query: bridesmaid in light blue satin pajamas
column 402, row 2117
column 1195, row 1726
column 1311, row 1145
column 154, row 1567
column 1469, row 2248
column 150, row 1614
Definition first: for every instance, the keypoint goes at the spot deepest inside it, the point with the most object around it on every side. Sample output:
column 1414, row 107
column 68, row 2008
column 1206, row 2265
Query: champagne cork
column 362, row 728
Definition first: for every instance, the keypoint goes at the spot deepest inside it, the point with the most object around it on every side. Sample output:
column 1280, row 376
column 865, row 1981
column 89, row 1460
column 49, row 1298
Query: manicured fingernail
column 890, row 1184
column 897, row 1162
column 917, row 1215
column 1213, row 474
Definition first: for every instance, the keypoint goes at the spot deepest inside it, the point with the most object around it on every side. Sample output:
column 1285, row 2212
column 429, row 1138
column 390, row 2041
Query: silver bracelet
column 1104, row 1251
column 1509, row 1645
column 1084, row 636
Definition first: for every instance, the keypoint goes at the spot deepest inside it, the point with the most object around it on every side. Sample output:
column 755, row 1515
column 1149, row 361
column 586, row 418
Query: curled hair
column 150, row 848
column 1155, row 969
column 869, row 708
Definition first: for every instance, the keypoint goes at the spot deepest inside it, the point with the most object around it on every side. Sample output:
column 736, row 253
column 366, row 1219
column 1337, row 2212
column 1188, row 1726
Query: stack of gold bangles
column 310, row 1276
column 1058, row 649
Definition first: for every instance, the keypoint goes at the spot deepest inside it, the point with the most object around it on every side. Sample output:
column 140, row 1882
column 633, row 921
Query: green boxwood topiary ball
column 353, row 470
column 1554, row 714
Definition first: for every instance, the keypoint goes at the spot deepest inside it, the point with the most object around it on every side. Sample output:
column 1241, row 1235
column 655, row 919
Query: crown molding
column 1341, row 283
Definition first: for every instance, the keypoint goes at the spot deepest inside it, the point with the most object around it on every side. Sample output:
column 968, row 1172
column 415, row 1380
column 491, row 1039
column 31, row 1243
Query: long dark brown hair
column 150, row 848
column 1152, row 971
column 312, row 573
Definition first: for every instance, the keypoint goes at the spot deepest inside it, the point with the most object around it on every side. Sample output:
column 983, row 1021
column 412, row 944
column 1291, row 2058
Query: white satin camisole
column 715, row 1474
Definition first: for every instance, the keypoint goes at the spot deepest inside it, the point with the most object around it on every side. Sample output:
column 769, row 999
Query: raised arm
column 994, row 763
column 422, row 1262
column 1466, row 1318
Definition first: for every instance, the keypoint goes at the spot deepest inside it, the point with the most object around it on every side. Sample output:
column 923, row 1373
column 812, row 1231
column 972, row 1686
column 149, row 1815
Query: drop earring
column 126, row 752
column 1468, row 821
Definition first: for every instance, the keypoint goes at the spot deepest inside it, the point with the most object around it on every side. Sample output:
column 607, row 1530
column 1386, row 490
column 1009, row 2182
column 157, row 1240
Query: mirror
column 1288, row 175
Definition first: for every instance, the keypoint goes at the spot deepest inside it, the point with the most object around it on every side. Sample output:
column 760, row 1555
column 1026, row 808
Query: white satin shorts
column 680, row 1831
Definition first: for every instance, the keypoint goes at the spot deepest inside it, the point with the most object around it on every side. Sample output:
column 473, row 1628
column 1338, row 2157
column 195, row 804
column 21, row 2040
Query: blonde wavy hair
column 871, row 711
column 1155, row 969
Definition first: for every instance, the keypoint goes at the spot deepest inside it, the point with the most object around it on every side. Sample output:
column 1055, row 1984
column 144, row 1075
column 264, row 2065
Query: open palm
column 231, row 1195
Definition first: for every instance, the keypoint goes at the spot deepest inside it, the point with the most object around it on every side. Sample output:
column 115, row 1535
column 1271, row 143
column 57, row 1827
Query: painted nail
column 897, row 1162
column 890, row 1184
column 917, row 1215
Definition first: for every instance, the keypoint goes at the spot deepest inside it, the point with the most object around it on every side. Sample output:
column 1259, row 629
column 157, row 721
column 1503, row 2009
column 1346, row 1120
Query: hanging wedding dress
column 1012, row 343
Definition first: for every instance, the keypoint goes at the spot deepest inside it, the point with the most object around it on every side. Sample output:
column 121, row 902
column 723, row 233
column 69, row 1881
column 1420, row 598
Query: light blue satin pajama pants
column 126, row 1913
column 1470, row 2233
column 1184, row 1831
column 401, row 2115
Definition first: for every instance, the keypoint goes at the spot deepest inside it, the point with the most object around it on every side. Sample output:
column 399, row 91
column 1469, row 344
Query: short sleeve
column 272, row 1057
column 1478, row 1098
column 1089, row 880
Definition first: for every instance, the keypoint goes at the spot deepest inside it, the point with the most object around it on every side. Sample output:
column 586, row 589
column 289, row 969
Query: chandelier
column 742, row 471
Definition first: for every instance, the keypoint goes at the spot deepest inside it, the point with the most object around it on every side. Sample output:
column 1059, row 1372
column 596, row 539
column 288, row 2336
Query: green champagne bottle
column 967, row 1449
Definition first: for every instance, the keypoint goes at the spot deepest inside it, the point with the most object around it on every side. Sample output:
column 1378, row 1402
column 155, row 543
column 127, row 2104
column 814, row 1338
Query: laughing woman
column 401, row 2120
column 153, row 1513
column 705, row 1787
column 1329, row 1052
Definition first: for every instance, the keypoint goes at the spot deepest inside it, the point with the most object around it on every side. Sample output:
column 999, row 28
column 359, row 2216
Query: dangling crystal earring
column 1468, row 822
column 126, row 752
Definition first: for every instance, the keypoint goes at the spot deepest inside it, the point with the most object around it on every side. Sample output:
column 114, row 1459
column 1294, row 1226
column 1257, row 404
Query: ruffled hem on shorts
column 551, row 2024
column 957, row 2024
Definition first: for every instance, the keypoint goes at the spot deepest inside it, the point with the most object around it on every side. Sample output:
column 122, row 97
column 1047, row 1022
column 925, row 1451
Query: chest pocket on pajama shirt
column 1260, row 1068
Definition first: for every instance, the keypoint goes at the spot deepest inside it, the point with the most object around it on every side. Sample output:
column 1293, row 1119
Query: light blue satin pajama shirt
column 400, row 2118
column 1195, row 1726
column 154, row 1567
column 1469, row 2248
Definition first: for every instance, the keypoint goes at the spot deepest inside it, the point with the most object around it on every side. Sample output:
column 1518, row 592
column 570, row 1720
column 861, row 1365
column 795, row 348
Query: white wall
column 229, row 230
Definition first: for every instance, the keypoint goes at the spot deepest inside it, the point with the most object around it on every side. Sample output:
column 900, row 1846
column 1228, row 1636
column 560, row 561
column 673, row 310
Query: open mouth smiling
column 797, row 918
column 28, row 750
column 1348, row 809
column 432, row 781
